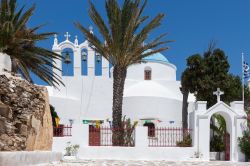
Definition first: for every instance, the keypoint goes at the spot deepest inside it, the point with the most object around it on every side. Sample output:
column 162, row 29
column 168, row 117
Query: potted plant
column 71, row 151
column 244, row 144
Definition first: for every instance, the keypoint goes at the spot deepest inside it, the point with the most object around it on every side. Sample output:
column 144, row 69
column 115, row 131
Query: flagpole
column 242, row 61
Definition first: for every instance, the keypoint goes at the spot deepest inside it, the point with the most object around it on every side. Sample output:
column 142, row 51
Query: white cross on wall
column 218, row 93
column 67, row 35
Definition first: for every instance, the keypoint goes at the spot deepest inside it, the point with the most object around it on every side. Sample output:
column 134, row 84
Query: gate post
column 80, row 134
column 141, row 136
column 241, row 125
column 202, row 130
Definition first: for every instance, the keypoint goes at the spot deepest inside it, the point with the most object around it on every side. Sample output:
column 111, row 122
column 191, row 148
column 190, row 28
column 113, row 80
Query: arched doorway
column 235, row 123
column 219, row 137
column 151, row 129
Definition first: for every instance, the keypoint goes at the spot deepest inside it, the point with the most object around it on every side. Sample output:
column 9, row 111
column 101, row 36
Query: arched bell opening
column 67, row 62
column 84, row 62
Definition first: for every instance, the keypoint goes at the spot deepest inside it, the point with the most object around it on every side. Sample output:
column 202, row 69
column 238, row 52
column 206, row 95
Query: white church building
column 151, row 92
column 151, row 95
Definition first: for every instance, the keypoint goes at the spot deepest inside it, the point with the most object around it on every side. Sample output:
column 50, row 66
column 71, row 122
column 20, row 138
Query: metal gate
column 94, row 136
column 227, row 146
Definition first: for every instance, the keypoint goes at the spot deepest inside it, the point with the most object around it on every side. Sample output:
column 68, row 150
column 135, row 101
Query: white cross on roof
column 67, row 35
column 218, row 93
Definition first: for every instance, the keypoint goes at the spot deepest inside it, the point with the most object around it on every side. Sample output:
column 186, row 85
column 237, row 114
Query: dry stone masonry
column 25, row 120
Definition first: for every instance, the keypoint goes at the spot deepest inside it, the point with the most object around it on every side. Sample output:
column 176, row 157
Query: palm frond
column 19, row 42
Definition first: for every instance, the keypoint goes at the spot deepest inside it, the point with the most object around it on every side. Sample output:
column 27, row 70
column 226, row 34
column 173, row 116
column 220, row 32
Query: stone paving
column 145, row 163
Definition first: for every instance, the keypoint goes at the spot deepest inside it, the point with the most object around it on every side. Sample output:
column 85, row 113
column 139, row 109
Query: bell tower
column 81, row 57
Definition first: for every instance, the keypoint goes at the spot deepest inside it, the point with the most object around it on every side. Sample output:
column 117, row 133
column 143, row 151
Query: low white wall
column 80, row 136
column 141, row 151
column 60, row 143
column 24, row 158
column 138, row 153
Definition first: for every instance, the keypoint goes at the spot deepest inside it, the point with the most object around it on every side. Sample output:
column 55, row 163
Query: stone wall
column 25, row 120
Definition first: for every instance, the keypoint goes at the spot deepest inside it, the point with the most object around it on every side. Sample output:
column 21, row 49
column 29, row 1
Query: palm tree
column 19, row 42
column 124, row 37
column 218, row 125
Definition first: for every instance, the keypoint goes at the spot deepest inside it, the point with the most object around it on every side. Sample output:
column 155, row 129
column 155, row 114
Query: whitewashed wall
column 160, row 71
column 5, row 62
column 163, row 109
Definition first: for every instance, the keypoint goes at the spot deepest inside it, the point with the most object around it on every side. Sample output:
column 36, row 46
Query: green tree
column 216, row 73
column 19, row 42
column 204, row 74
column 124, row 37
column 196, row 70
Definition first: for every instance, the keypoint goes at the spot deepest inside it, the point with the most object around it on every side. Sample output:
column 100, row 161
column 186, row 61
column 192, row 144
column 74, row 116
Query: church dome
column 157, row 57
column 152, row 89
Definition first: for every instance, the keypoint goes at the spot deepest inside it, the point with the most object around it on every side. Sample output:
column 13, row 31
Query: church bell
column 67, row 59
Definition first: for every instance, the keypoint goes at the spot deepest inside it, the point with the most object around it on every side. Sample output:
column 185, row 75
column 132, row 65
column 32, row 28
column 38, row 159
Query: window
column 147, row 75
column 151, row 129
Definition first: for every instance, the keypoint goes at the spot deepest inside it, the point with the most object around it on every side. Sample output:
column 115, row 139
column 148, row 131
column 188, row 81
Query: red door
column 94, row 136
column 227, row 146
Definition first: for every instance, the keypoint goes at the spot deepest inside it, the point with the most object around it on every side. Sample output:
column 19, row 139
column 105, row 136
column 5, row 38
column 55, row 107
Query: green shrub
column 244, row 144
column 53, row 115
column 186, row 142
column 217, row 144
column 128, row 132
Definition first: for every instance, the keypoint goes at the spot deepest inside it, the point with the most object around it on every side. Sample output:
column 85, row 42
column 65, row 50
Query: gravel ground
column 144, row 163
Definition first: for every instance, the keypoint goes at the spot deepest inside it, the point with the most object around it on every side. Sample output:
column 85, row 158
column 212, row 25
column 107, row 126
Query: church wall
column 66, row 108
column 87, row 98
column 160, row 71
column 163, row 109
column 97, row 103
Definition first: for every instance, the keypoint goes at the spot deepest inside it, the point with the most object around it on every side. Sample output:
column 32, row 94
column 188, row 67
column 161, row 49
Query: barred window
column 151, row 129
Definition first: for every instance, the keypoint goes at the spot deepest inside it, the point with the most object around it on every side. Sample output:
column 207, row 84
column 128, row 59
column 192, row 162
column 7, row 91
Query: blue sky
column 191, row 23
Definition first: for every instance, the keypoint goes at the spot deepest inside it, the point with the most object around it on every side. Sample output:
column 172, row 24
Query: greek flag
column 245, row 70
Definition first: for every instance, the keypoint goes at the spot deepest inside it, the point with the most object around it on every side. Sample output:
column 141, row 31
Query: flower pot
column 222, row 156
column 214, row 156
column 69, row 157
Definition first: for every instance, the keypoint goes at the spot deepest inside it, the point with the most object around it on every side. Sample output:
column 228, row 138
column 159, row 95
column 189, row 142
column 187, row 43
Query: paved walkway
column 145, row 163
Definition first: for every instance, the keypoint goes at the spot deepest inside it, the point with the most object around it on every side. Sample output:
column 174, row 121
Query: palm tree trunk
column 185, row 93
column 119, row 75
